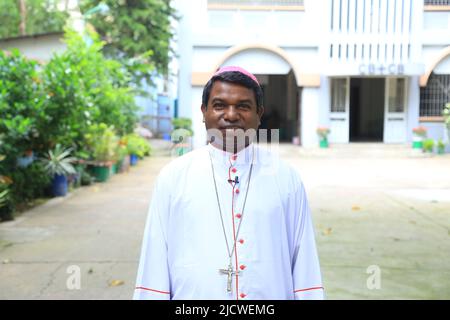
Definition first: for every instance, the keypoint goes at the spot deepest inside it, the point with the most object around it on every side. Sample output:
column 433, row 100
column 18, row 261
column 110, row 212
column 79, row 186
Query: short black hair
column 234, row 77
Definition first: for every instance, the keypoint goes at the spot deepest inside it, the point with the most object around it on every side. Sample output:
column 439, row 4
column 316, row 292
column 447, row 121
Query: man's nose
column 231, row 113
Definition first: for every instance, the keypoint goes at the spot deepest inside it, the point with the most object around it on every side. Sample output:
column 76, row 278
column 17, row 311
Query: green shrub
column 86, row 178
column 428, row 145
column 102, row 142
column 27, row 184
column 137, row 145
column 20, row 104
column 441, row 146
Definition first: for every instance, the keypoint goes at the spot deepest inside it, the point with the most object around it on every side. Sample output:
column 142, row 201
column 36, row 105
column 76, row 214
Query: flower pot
column 124, row 165
column 417, row 142
column 323, row 143
column 114, row 168
column 26, row 160
column 59, row 185
column 100, row 173
column 133, row 159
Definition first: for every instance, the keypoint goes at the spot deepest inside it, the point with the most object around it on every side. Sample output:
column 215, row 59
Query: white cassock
column 184, row 244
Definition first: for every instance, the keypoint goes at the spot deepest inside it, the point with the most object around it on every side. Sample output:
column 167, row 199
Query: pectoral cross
column 230, row 272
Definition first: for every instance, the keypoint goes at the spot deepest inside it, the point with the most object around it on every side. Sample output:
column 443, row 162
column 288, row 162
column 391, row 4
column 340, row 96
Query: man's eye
column 243, row 106
column 219, row 106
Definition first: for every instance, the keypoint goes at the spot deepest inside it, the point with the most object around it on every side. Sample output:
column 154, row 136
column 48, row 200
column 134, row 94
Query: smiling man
column 229, row 220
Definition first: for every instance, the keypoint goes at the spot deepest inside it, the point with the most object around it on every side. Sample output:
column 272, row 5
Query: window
column 435, row 95
column 437, row 2
column 338, row 95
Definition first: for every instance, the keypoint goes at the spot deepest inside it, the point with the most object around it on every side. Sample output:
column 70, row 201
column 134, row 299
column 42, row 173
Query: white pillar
column 413, row 109
column 310, row 116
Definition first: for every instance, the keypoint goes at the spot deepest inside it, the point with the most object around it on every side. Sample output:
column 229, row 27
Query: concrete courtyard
column 381, row 213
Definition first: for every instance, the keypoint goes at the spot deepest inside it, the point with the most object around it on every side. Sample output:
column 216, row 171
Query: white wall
column 39, row 48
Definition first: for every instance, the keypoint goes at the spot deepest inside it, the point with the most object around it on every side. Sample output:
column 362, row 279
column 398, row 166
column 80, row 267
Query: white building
column 371, row 70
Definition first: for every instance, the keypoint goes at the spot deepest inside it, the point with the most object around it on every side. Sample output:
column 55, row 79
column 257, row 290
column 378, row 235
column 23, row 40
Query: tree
column 28, row 17
column 137, row 32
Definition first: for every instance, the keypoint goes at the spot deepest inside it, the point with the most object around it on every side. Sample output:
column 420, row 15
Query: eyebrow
column 239, row 102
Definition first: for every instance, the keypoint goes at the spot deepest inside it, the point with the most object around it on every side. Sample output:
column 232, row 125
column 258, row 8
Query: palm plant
column 58, row 165
column 59, row 162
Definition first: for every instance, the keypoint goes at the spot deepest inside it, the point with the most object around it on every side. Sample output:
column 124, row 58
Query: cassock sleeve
column 305, row 267
column 153, row 273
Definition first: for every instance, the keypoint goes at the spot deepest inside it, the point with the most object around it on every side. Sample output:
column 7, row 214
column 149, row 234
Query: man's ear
column 203, row 108
column 260, row 113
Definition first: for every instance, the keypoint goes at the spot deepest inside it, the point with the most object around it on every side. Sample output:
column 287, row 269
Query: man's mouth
column 231, row 128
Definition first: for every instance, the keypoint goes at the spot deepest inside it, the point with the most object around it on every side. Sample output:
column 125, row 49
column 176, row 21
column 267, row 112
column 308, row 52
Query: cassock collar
column 243, row 157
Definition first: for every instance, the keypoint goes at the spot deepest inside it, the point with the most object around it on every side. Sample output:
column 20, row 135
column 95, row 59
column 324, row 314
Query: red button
column 242, row 267
column 243, row 295
column 241, row 241
column 237, row 191
column 238, row 215
column 234, row 170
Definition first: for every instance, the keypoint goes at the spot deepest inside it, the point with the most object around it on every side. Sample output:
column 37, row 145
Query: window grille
column 435, row 95
column 338, row 94
column 437, row 2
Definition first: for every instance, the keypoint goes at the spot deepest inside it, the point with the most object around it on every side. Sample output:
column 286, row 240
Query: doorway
column 367, row 97
column 281, row 105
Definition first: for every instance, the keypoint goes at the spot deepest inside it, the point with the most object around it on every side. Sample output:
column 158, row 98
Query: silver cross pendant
column 229, row 272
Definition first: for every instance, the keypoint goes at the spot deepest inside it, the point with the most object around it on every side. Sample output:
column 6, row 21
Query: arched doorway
column 278, row 78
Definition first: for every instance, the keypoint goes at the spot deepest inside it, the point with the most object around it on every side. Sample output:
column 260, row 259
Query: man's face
column 231, row 107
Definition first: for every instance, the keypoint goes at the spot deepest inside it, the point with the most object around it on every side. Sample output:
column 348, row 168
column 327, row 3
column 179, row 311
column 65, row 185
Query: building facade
column 370, row 70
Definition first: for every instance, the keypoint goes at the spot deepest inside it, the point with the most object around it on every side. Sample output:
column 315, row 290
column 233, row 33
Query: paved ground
column 374, row 206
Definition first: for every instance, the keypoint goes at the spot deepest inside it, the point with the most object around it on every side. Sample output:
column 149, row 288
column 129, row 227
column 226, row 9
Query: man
column 229, row 220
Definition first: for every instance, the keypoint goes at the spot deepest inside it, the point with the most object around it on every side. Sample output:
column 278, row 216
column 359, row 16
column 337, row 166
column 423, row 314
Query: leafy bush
column 28, row 184
column 83, row 88
column 428, row 145
column 137, row 145
column 102, row 142
column 20, row 104
column 441, row 146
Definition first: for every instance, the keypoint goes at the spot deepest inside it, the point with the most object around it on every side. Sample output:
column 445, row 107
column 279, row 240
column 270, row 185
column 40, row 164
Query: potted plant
column 26, row 159
column 428, row 145
column 446, row 115
column 58, row 164
column 123, row 161
column 102, row 142
column 419, row 134
column 440, row 147
column 323, row 133
column 137, row 148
